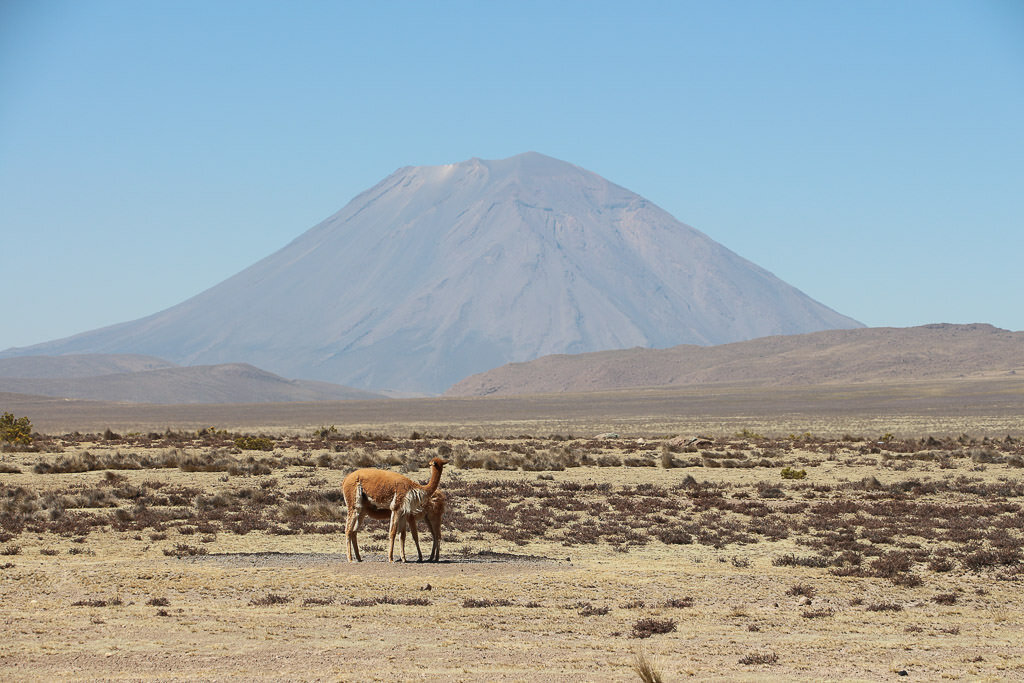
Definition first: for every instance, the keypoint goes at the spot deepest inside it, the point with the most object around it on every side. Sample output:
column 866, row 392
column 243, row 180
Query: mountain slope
column 837, row 356
column 442, row 271
column 232, row 383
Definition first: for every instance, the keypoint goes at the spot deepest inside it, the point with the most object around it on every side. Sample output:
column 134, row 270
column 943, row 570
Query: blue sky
column 869, row 153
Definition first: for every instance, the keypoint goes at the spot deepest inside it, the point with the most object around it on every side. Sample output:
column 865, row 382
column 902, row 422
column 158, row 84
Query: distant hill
column 836, row 356
column 438, row 272
column 141, row 379
column 79, row 365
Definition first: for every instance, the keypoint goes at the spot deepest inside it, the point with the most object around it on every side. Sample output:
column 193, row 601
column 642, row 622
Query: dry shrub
column 891, row 564
column 908, row 580
column 474, row 602
column 678, row 602
column 325, row 512
column 270, row 599
column 991, row 558
column 184, row 550
column 645, row 628
column 986, row 455
column 114, row 602
column 791, row 560
column 671, row 536
column 317, row 601
column 759, row 658
column 293, row 512
column 387, row 600
column 801, row 589
column 588, row 610
column 885, row 607
column 254, row 443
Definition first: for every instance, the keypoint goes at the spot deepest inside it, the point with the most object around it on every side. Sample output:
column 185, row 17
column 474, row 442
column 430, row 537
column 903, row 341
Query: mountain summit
column 439, row 272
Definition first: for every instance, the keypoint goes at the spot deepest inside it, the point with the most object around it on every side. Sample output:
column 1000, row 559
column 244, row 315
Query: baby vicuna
column 432, row 513
column 387, row 490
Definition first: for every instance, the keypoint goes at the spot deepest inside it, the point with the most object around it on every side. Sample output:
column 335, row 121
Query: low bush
column 270, row 599
column 677, row 602
column 588, row 610
column 645, row 628
column 254, row 443
column 759, row 658
column 801, row 589
column 184, row 550
column 317, row 601
column 484, row 602
column 114, row 602
column 885, row 607
column 791, row 560
column 15, row 430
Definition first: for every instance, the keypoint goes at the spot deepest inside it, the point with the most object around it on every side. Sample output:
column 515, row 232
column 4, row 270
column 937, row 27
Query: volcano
column 439, row 272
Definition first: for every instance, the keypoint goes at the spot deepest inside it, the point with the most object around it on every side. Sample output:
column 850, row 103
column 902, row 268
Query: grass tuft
column 647, row 670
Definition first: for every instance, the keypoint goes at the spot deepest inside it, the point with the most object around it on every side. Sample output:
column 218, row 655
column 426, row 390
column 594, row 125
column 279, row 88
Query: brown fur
column 372, row 489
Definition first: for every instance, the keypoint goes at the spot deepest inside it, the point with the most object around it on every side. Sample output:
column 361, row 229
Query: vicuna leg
column 435, row 532
column 351, row 529
column 410, row 524
column 397, row 522
column 434, row 513
column 415, row 539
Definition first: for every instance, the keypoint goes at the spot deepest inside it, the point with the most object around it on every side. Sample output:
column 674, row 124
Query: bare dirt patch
column 484, row 559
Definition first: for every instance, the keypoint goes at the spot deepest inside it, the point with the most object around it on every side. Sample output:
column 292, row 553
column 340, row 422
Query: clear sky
column 869, row 153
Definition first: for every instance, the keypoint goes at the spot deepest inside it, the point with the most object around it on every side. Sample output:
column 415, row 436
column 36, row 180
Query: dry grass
column 721, row 564
column 646, row 669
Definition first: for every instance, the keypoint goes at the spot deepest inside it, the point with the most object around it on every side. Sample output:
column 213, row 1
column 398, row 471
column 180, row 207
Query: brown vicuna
column 432, row 512
column 380, row 489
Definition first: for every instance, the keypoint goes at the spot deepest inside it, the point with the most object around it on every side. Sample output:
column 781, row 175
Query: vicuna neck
column 435, row 479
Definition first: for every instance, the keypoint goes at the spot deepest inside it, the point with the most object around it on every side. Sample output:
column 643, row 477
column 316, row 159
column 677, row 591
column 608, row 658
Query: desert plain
column 856, row 532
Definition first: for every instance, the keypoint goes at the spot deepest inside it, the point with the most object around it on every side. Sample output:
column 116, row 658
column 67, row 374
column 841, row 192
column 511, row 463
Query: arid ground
column 797, row 542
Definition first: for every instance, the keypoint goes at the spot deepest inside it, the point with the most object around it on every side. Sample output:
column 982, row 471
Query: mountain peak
column 439, row 272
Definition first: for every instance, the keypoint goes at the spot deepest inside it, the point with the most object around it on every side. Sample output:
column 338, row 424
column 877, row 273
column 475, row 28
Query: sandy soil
column 212, row 631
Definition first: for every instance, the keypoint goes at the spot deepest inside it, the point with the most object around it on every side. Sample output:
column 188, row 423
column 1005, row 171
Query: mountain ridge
column 142, row 379
column 834, row 356
column 78, row 365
